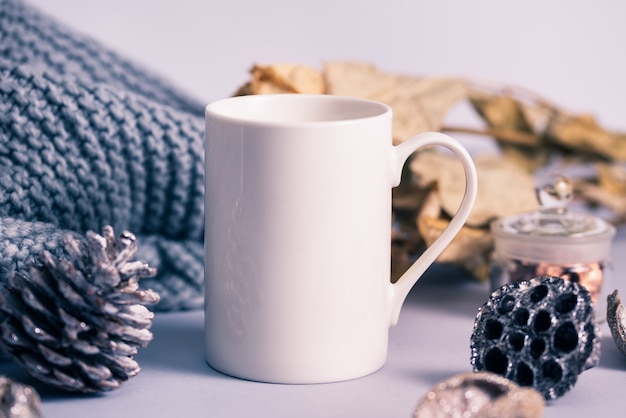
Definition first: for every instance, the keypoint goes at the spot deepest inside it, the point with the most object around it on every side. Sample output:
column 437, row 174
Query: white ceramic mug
column 298, row 235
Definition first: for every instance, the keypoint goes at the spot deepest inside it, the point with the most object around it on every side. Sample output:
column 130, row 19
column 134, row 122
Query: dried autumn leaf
column 469, row 248
column 505, row 114
column 583, row 134
column 358, row 79
column 538, row 116
column 431, row 208
column 500, row 111
column 612, row 177
column 503, row 188
column 419, row 104
column 405, row 245
column 400, row 262
column 408, row 196
column 521, row 113
column 283, row 78
column 599, row 195
column 468, row 242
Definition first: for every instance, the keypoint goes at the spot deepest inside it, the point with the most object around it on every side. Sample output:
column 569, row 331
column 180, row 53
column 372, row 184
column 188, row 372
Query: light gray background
column 572, row 52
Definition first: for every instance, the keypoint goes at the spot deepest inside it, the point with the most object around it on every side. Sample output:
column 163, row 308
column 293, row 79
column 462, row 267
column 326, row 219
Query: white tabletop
column 430, row 343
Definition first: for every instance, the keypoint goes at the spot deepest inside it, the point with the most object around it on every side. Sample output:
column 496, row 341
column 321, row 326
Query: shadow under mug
column 298, row 235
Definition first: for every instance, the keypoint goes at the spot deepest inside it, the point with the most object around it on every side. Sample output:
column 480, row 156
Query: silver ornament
column 18, row 400
column 479, row 395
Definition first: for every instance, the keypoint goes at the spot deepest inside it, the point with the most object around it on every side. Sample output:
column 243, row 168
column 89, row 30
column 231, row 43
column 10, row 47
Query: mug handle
column 400, row 153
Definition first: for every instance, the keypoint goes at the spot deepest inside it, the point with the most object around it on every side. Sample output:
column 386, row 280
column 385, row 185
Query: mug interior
column 296, row 108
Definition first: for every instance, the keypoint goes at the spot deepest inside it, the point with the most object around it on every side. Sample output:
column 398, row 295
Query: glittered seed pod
column 480, row 395
column 540, row 333
column 76, row 324
column 616, row 319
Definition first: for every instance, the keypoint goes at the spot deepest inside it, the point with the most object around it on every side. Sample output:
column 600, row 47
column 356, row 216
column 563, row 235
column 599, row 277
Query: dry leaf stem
column 505, row 135
column 519, row 92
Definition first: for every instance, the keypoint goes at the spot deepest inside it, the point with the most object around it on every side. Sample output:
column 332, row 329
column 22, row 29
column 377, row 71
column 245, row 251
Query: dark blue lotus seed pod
column 540, row 333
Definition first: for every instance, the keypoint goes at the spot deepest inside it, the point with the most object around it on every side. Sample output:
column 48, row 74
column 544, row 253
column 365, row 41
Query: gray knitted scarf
column 88, row 139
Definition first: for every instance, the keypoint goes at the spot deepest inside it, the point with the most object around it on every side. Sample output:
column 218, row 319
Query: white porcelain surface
column 298, row 235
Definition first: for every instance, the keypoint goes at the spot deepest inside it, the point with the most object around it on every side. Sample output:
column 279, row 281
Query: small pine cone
column 76, row 324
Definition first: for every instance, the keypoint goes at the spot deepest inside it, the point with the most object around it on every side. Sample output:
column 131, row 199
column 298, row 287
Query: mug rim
column 231, row 109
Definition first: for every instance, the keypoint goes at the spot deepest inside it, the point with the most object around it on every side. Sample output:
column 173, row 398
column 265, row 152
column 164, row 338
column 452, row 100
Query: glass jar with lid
column 554, row 241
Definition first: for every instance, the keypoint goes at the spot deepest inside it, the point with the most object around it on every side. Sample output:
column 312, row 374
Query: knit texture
column 88, row 139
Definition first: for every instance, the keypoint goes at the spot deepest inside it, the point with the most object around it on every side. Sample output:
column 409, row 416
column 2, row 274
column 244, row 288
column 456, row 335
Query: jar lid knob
column 555, row 195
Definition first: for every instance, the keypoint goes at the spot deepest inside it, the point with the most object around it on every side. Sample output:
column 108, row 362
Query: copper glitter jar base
column 591, row 276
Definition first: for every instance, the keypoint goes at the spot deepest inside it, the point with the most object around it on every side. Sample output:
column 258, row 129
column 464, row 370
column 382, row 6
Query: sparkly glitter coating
column 539, row 333
column 589, row 275
column 480, row 394
column 18, row 400
column 616, row 317
column 77, row 324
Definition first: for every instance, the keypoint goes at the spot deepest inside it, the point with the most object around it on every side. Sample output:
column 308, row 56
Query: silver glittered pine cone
column 76, row 324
